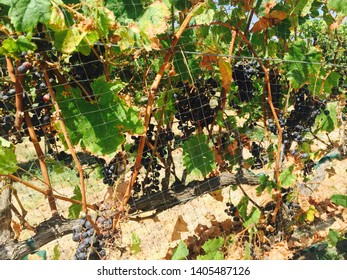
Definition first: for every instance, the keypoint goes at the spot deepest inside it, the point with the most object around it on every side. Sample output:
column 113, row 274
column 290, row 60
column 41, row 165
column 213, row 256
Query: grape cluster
column 161, row 139
column 259, row 155
column 84, row 69
column 154, row 138
column 114, row 169
column 36, row 102
column 91, row 245
column 194, row 106
column 300, row 119
column 288, row 200
column 243, row 73
column 308, row 167
column 231, row 211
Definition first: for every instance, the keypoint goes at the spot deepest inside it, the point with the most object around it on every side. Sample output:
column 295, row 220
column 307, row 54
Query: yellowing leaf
column 310, row 213
column 154, row 20
column 57, row 19
column 226, row 74
column 68, row 40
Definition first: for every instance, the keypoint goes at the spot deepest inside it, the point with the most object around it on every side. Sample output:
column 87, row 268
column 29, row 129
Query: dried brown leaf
column 180, row 226
column 279, row 251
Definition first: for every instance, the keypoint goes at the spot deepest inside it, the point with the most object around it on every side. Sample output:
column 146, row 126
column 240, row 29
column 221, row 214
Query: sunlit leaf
column 8, row 159
column 253, row 218
column 100, row 131
column 135, row 246
column 181, row 252
column 25, row 14
column 338, row 6
column 287, row 176
column 226, row 74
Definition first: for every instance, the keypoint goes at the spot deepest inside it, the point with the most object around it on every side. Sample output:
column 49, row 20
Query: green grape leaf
column 75, row 209
column 302, row 63
column 25, row 14
column 135, row 246
column 333, row 236
column 211, row 256
column 253, row 218
column 125, row 9
column 213, row 245
column 198, row 158
column 212, row 248
column 327, row 119
column 8, row 159
column 322, row 85
column 206, row 17
column 287, row 177
column 166, row 106
column 181, row 252
column 242, row 207
column 6, row 2
column 57, row 19
column 339, row 199
column 56, row 253
column 103, row 21
column 99, row 130
column 12, row 47
column 338, row 6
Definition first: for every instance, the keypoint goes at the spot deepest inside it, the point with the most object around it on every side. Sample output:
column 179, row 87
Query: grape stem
column 42, row 162
column 18, row 80
column 68, row 141
column 22, row 219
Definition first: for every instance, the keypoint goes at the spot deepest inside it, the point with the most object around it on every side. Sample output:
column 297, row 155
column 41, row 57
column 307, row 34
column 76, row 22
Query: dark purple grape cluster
column 193, row 105
column 38, row 104
column 114, row 168
column 259, row 154
column 300, row 119
column 231, row 211
column 161, row 139
column 308, row 167
column 91, row 246
column 84, row 69
column 243, row 73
